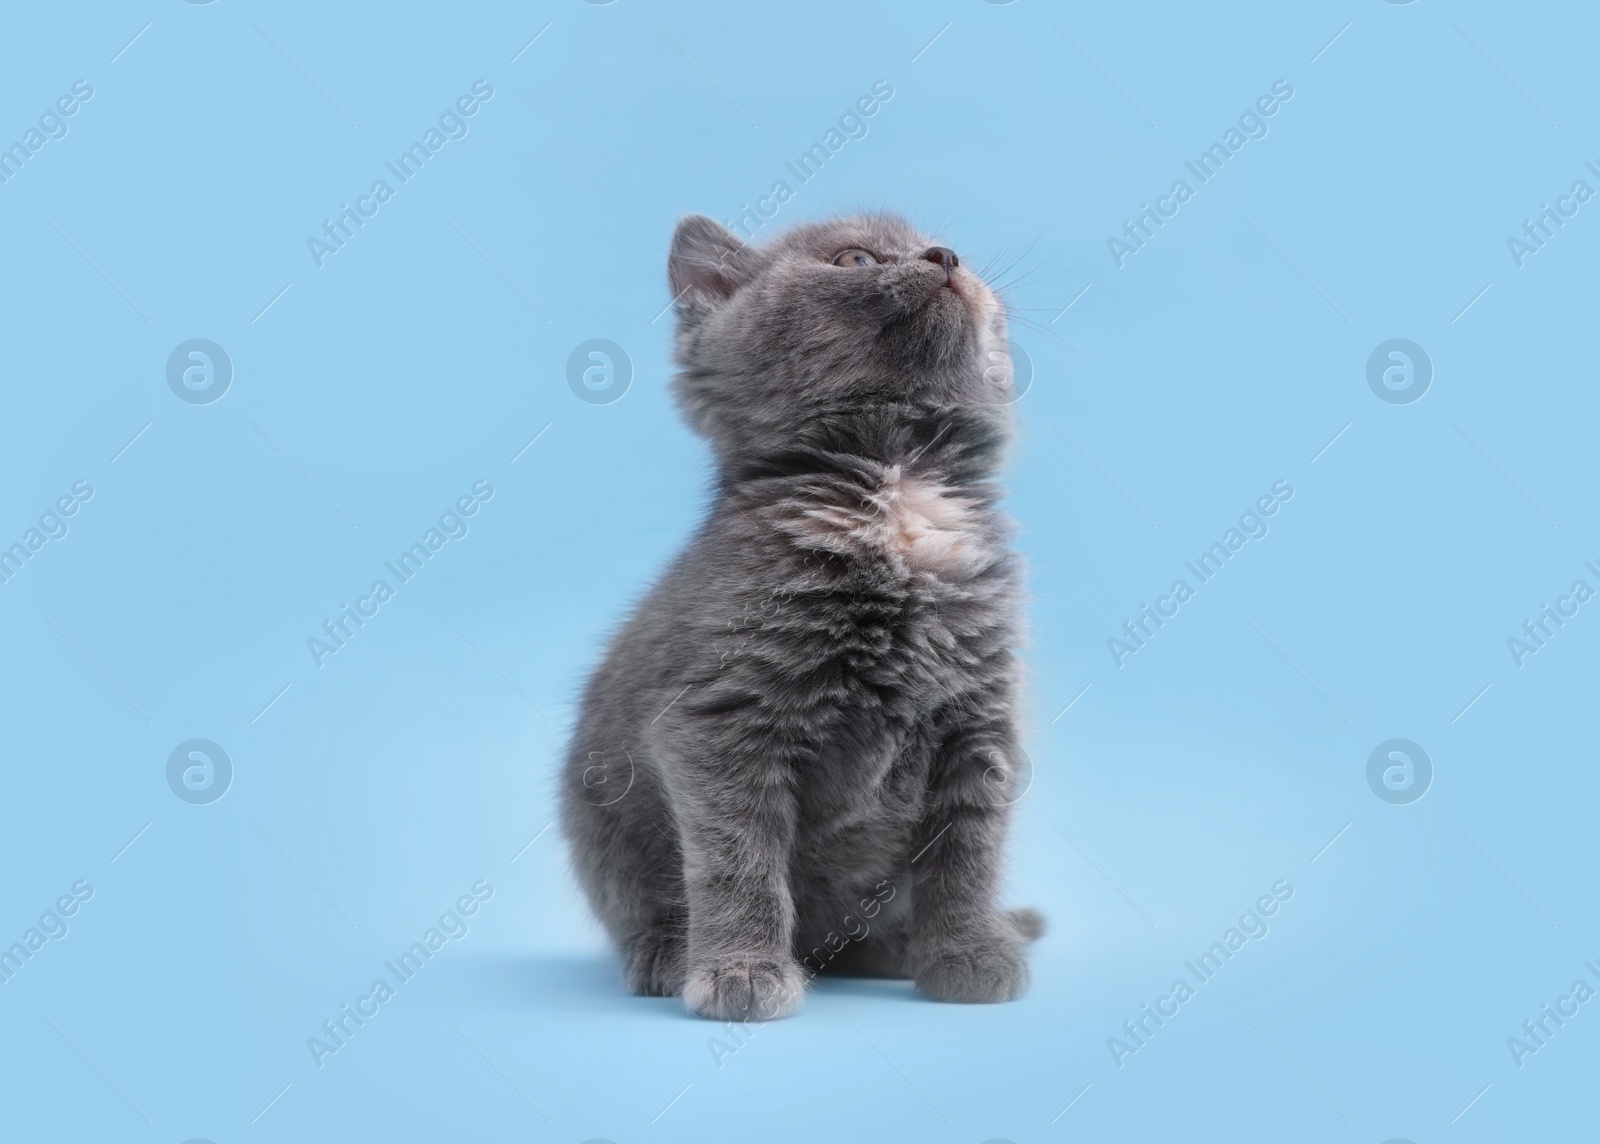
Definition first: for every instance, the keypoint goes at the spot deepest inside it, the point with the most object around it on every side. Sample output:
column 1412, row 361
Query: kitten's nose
column 943, row 255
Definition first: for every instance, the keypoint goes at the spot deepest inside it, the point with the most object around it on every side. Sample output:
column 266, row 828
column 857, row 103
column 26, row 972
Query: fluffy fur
column 810, row 720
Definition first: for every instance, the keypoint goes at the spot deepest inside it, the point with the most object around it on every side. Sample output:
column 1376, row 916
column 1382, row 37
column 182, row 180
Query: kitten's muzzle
column 959, row 285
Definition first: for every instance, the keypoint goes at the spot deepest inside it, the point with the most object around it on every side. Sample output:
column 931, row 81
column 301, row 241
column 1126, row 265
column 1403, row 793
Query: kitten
column 810, row 720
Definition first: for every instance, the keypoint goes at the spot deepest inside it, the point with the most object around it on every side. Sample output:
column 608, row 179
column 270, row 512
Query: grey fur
column 810, row 719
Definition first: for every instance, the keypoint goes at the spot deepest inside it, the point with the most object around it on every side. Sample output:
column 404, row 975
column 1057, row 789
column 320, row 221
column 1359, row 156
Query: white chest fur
column 917, row 525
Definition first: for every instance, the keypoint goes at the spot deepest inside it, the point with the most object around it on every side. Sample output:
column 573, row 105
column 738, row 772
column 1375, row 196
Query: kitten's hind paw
column 653, row 964
column 994, row 971
column 1028, row 922
column 734, row 989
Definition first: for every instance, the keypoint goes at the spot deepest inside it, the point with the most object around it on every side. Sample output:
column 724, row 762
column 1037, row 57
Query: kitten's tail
column 1028, row 922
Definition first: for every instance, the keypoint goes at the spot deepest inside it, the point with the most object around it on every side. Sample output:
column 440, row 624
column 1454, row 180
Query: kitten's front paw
column 995, row 970
column 653, row 964
column 737, row 989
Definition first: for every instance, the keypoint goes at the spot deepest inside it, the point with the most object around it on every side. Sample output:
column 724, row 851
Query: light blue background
column 425, row 355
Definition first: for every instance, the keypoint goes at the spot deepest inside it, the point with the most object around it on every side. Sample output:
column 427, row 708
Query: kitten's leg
column 653, row 956
column 963, row 947
column 736, row 819
column 627, row 859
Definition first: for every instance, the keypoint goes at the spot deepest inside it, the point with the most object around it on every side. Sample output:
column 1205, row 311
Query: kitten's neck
column 961, row 444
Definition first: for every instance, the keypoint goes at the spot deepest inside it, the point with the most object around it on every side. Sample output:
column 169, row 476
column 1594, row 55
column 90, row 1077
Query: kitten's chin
column 973, row 296
column 953, row 302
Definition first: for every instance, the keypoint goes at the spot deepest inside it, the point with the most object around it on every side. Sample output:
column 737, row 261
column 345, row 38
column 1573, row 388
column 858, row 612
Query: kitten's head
column 851, row 335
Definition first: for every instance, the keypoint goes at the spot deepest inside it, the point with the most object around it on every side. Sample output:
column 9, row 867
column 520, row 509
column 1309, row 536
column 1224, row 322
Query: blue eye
column 854, row 257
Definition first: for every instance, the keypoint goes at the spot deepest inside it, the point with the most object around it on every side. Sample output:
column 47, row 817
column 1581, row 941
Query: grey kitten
column 810, row 720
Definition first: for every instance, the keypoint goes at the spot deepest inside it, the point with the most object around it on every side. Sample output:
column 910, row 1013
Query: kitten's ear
column 707, row 264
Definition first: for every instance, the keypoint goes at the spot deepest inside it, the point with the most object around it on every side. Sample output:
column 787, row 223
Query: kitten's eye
column 854, row 258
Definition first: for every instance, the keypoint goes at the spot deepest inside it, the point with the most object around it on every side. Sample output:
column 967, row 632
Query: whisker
column 1046, row 332
column 1027, row 277
column 983, row 270
column 1027, row 250
column 1026, row 274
